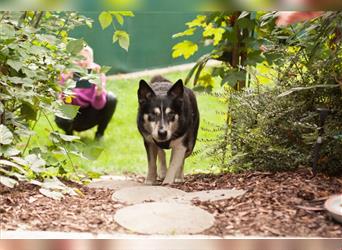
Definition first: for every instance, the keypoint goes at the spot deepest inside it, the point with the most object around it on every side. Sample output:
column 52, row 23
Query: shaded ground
column 281, row 204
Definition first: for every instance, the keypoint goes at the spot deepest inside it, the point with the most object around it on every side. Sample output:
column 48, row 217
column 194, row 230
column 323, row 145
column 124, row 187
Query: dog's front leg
column 176, row 165
column 162, row 164
column 180, row 174
column 151, row 150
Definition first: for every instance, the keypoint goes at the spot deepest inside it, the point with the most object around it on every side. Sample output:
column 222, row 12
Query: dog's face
column 161, row 113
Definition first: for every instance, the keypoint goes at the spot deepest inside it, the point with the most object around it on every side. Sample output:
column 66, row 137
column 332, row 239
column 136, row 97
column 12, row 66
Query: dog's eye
column 171, row 116
column 152, row 117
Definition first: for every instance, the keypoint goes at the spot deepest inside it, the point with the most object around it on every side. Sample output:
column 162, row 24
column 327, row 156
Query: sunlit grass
column 123, row 148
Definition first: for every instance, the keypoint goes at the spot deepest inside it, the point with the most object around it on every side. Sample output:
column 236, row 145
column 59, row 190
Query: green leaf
column 105, row 19
column 8, row 163
column 20, row 80
column 187, row 32
column 69, row 138
column 123, row 38
column 119, row 18
column 233, row 76
column 9, row 182
column 244, row 14
column 6, row 31
column 51, row 194
column 75, row 46
column 28, row 111
column 8, row 151
column 15, row 64
column 6, row 136
column 35, row 163
column 212, row 31
column 68, row 111
column 198, row 21
column 185, row 49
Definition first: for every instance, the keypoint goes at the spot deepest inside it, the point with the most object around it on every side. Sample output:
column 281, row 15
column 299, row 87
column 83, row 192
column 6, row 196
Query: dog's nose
column 162, row 133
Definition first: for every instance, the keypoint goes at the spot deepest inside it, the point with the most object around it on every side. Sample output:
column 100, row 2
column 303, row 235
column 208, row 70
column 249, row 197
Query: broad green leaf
column 233, row 76
column 35, row 163
column 15, row 80
column 8, row 163
column 6, row 136
column 6, row 31
column 18, row 176
column 9, row 182
column 198, row 21
column 28, row 111
column 119, row 18
column 105, row 19
column 185, row 49
column 123, row 38
column 75, row 46
column 69, row 138
column 187, row 32
column 217, row 33
column 67, row 111
column 51, row 194
column 45, row 38
column 244, row 14
column 55, row 184
column 15, row 64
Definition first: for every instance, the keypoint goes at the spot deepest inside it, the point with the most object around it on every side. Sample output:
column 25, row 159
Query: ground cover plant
column 275, row 79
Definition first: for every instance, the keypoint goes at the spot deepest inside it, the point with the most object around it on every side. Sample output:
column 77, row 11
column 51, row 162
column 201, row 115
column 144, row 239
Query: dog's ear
column 177, row 90
column 145, row 92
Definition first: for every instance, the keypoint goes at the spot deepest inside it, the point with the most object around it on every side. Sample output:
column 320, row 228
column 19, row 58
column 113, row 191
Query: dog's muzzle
column 162, row 134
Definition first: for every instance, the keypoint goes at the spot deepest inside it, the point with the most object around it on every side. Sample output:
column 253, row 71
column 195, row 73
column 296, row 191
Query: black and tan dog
column 168, row 117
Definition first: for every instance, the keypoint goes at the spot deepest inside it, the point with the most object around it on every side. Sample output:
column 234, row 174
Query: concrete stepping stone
column 208, row 195
column 164, row 218
column 133, row 195
column 113, row 182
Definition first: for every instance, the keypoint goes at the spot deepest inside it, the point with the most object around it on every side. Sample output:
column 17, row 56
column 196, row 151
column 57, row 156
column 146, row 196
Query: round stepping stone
column 208, row 195
column 133, row 195
column 113, row 182
column 164, row 218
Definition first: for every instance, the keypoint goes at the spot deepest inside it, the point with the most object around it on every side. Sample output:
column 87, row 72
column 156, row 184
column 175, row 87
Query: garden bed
column 280, row 204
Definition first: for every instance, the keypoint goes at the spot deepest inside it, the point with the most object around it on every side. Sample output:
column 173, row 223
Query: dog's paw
column 179, row 180
column 161, row 177
column 150, row 182
column 167, row 182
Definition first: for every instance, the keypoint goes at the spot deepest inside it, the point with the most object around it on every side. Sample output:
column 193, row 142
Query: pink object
column 289, row 17
column 84, row 97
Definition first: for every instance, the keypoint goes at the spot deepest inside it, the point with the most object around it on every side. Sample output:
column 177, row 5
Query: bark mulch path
column 280, row 204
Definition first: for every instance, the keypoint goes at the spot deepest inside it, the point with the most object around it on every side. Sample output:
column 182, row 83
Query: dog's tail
column 158, row 78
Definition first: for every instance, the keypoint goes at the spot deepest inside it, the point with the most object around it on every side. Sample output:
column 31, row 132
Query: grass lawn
column 123, row 148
